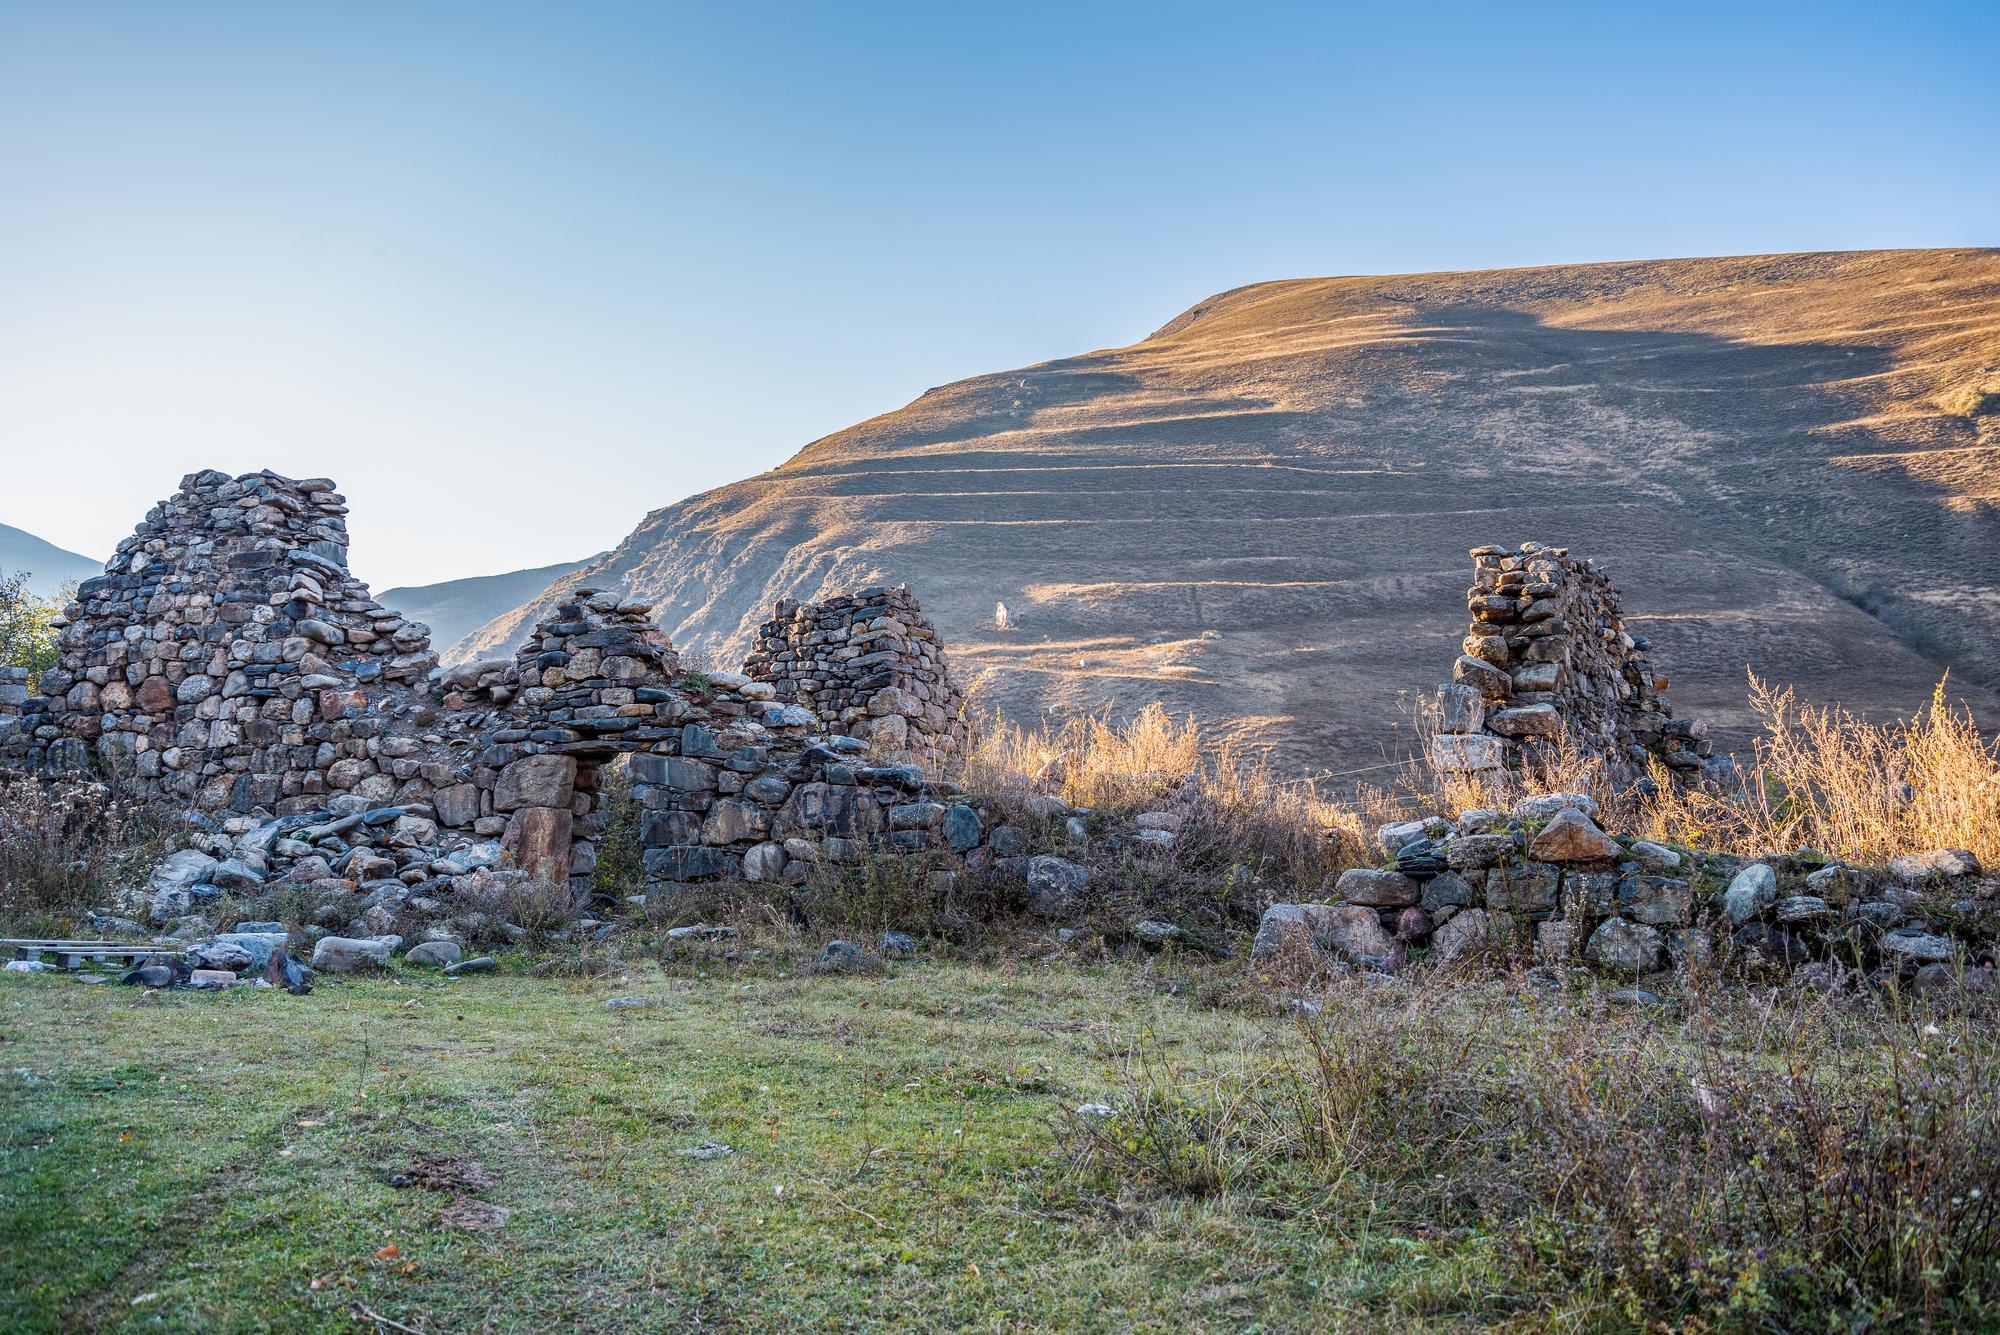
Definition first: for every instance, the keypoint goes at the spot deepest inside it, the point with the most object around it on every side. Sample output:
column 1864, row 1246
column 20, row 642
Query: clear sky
column 515, row 274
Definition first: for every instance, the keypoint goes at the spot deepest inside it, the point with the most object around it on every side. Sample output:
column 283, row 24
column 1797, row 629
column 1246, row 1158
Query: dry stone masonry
column 229, row 661
column 1543, row 884
column 869, row 663
column 1547, row 662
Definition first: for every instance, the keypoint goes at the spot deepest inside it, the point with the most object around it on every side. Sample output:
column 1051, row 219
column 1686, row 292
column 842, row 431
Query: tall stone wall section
column 227, row 657
column 869, row 663
column 1548, row 663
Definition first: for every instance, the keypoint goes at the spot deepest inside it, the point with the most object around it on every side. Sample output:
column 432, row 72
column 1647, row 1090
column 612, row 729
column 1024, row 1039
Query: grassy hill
column 1261, row 512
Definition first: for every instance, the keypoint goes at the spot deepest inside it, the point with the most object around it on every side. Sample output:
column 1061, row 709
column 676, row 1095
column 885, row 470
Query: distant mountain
column 1260, row 514
column 48, row 566
column 457, row 607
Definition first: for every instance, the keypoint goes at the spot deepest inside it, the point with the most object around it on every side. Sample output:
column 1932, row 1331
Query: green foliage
column 27, row 629
column 620, row 869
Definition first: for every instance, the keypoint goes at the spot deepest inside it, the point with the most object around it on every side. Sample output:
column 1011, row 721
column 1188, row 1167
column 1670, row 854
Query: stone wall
column 1545, row 884
column 227, row 657
column 869, row 663
column 229, row 661
column 1548, row 662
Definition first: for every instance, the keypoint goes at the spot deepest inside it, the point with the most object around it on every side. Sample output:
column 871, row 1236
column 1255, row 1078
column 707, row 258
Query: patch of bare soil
column 445, row 1172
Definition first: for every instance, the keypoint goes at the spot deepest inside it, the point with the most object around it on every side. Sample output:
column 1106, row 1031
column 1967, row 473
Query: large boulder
column 434, row 953
column 1571, row 836
column 1469, row 931
column 536, row 781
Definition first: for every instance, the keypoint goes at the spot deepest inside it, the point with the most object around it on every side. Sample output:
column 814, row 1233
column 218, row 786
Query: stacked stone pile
column 1548, row 661
column 869, row 663
column 1544, row 882
column 227, row 657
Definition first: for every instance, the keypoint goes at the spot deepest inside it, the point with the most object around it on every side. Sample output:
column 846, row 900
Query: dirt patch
column 477, row 1216
column 445, row 1172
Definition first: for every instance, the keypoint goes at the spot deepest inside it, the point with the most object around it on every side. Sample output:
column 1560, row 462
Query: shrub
column 1800, row 1167
column 67, row 844
column 27, row 627
column 620, row 868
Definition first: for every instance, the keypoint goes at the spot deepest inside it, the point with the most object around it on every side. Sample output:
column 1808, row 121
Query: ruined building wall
column 228, row 657
column 869, row 663
column 1548, row 660
column 229, row 661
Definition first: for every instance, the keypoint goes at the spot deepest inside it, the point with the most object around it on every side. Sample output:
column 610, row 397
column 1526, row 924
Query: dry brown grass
column 68, row 844
column 1822, row 778
column 1778, row 1164
column 1234, row 804
column 1828, row 780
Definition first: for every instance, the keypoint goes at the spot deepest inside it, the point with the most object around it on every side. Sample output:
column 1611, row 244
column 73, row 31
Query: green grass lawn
column 1441, row 1154
column 187, row 1161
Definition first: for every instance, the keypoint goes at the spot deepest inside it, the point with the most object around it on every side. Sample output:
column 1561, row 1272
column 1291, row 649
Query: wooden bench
column 70, row 955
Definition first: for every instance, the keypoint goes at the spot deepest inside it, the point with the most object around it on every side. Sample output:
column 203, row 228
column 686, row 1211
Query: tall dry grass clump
column 1235, row 805
column 67, row 844
column 1826, row 779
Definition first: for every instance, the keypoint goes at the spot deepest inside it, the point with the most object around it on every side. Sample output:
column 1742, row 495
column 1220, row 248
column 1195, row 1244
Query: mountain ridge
column 1260, row 512
column 49, row 566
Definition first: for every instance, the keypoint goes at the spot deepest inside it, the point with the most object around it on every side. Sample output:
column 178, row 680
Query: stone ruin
column 1549, row 663
column 871, row 664
column 228, row 660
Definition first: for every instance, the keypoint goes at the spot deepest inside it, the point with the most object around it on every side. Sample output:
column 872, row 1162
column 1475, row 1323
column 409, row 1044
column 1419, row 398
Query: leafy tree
column 27, row 625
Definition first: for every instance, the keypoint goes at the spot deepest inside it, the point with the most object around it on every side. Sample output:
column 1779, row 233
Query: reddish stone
column 538, row 840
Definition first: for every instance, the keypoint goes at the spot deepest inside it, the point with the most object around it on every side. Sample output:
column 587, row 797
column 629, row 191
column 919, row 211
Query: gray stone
column 1911, row 945
column 1657, row 901
column 1796, row 909
column 1473, row 852
column 1448, row 890
column 232, row 874
column 1526, row 721
column 343, row 954
column 1470, row 931
column 1466, row 754
column 1937, row 865
column 897, row 945
column 1752, row 890
column 1283, row 928
column 962, row 828
column 1391, row 837
column 1654, row 857
column 1460, row 708
column 478, row 964
column 846, row 957
column 1624, row 947
column 1545, row 805
column 1055, row 886
column 1153, row 934
column 1571, row 836
column 1352, row 930
column 1381, row 889
column 1533, row 889
column 536, row 781
column 434, row 953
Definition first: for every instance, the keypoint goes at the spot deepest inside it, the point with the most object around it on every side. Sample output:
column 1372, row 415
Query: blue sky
column 516, row 274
